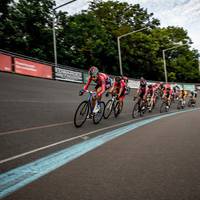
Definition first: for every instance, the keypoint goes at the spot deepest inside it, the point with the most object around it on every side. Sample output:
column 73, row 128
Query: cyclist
column 156, row 86
column 161, row 88
column 193, row 96
column 127, row 89
column 141, row 90
column 103, row 82
column 182, row 96
column 176, row 91
column 151, row 91
column 118, row 88
column 167, row 93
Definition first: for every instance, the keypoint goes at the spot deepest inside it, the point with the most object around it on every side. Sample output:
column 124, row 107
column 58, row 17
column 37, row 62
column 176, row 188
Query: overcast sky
column 183, row 13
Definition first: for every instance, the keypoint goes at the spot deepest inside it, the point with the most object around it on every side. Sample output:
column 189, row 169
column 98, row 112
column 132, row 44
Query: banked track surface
column 30, row 102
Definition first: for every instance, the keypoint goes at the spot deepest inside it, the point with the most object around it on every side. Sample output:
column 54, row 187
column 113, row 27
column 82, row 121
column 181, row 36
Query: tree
column 90, row 38
column 27, row 29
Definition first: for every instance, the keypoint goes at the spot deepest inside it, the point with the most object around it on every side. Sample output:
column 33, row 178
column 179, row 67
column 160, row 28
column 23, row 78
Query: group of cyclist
column 105, row 84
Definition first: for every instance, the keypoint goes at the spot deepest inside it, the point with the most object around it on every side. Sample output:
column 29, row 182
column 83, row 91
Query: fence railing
column 21, row 64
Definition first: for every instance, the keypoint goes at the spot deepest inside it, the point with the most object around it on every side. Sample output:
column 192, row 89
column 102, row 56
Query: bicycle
column 138, row 109
column 181, row 104
column 84, row 111
column 164, row 105
column 191, row 102
column 149, row 103
column 112, row 105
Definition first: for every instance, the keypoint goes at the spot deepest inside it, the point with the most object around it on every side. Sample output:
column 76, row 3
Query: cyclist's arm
column 122, row 88
column 103, row 88
column 112, row 88
column 120, row 91
column 146, row 93
column 170, row 94
column 87, row 84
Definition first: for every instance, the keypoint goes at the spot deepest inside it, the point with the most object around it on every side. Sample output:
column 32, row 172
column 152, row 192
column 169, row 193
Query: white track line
column 35, row 128
column 73, row 138
column 67, row 140
column 41, row 127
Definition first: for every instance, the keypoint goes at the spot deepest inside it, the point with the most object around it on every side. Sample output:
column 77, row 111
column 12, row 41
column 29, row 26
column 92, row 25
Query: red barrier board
column 31, row 68
column 5, row 63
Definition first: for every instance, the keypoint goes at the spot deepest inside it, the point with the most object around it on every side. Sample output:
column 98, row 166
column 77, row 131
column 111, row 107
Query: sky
column 181, row 13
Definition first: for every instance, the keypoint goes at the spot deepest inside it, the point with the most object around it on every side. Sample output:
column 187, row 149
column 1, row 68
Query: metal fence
column 21, row 64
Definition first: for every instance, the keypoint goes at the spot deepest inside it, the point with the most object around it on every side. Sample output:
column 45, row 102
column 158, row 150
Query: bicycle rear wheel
column 81, row 114
column 108, row 109
column 98, row 116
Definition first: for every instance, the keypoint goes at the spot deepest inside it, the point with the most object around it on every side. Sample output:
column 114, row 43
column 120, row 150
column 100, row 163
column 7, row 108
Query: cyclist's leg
column 168, row 98
column 184, row 100
column 121, row 100
column 96, row 98
column 153, row 99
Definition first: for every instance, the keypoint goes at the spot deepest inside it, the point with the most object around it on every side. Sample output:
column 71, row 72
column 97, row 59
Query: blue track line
column 19, row 177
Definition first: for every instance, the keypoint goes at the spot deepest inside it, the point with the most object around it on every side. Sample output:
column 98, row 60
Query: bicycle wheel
column 136, row 112
column 179, row 105
column 81, row 114
column 98, row 116
column 108, row 109
column 163, row 107
column 190, row 103
column 143, row 108
column 117, row 109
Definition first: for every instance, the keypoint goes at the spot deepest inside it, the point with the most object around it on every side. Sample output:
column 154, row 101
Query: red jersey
column 156, row 86
column 170, row 91
column 100, row 82
column 120, row 85
column 150, row 91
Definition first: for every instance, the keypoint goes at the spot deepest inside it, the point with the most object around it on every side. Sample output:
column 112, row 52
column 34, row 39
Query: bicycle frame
column 114, row 100
column 90, row 99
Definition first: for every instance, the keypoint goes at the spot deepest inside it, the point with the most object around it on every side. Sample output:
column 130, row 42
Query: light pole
column 199, row 67
column 119, row 49
column 54, row 32
column 164, row 60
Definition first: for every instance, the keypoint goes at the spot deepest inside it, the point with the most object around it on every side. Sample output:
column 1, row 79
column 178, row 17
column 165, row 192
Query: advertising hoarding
column 32, row 68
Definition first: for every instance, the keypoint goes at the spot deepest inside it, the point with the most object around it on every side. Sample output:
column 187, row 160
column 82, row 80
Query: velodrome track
column 159, row 160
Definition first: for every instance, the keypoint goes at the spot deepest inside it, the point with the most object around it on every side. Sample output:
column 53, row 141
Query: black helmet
column 118, row 79
column 150, row 86
column 143, row 82
column 125, row 79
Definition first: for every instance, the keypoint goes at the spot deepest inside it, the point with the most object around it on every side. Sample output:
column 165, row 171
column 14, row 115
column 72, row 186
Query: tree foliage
column 90, row 38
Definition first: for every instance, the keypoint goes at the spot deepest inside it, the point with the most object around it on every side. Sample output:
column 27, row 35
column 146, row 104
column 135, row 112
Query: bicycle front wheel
column 136, row 111
column 108, row 109
column 189, row 103
column 179, row 105
column 81, row 114
column 118, row 109
column 98, row 116
column 163, row 107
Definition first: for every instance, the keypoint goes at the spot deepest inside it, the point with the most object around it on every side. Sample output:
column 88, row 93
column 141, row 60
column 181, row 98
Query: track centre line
column 19, row 177
column 41, row 127
column 35, row 128
column 70, row 139
column 81, row 136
